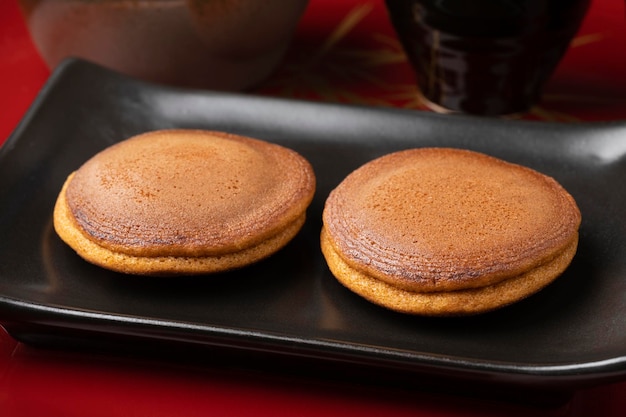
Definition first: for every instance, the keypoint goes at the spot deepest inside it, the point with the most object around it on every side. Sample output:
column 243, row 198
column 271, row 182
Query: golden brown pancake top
column 189, row 193
column 437, row 219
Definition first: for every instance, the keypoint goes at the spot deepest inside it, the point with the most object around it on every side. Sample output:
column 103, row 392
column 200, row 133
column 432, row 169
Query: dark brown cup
column 485, row 57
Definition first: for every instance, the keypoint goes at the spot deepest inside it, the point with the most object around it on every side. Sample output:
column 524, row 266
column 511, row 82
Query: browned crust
column 441, row 219
column 188, row 193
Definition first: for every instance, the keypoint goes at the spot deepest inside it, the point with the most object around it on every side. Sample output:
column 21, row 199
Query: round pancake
column 437, row 221
column 184, row 202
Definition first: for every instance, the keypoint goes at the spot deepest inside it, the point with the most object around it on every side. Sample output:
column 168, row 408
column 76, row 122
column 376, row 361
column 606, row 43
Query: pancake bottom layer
column 447, row 303
column 67, row 229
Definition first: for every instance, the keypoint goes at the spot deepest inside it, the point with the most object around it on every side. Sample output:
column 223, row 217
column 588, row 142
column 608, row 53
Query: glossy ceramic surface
column 570, row 334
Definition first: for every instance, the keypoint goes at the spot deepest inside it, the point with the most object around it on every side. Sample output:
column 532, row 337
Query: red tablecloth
column 344, row 51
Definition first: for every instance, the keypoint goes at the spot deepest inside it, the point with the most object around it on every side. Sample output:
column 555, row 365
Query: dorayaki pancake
column 440, row 231
column 184, row 202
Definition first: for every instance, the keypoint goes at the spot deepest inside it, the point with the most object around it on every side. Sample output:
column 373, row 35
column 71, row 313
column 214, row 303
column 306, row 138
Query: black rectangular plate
column 571, row 334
